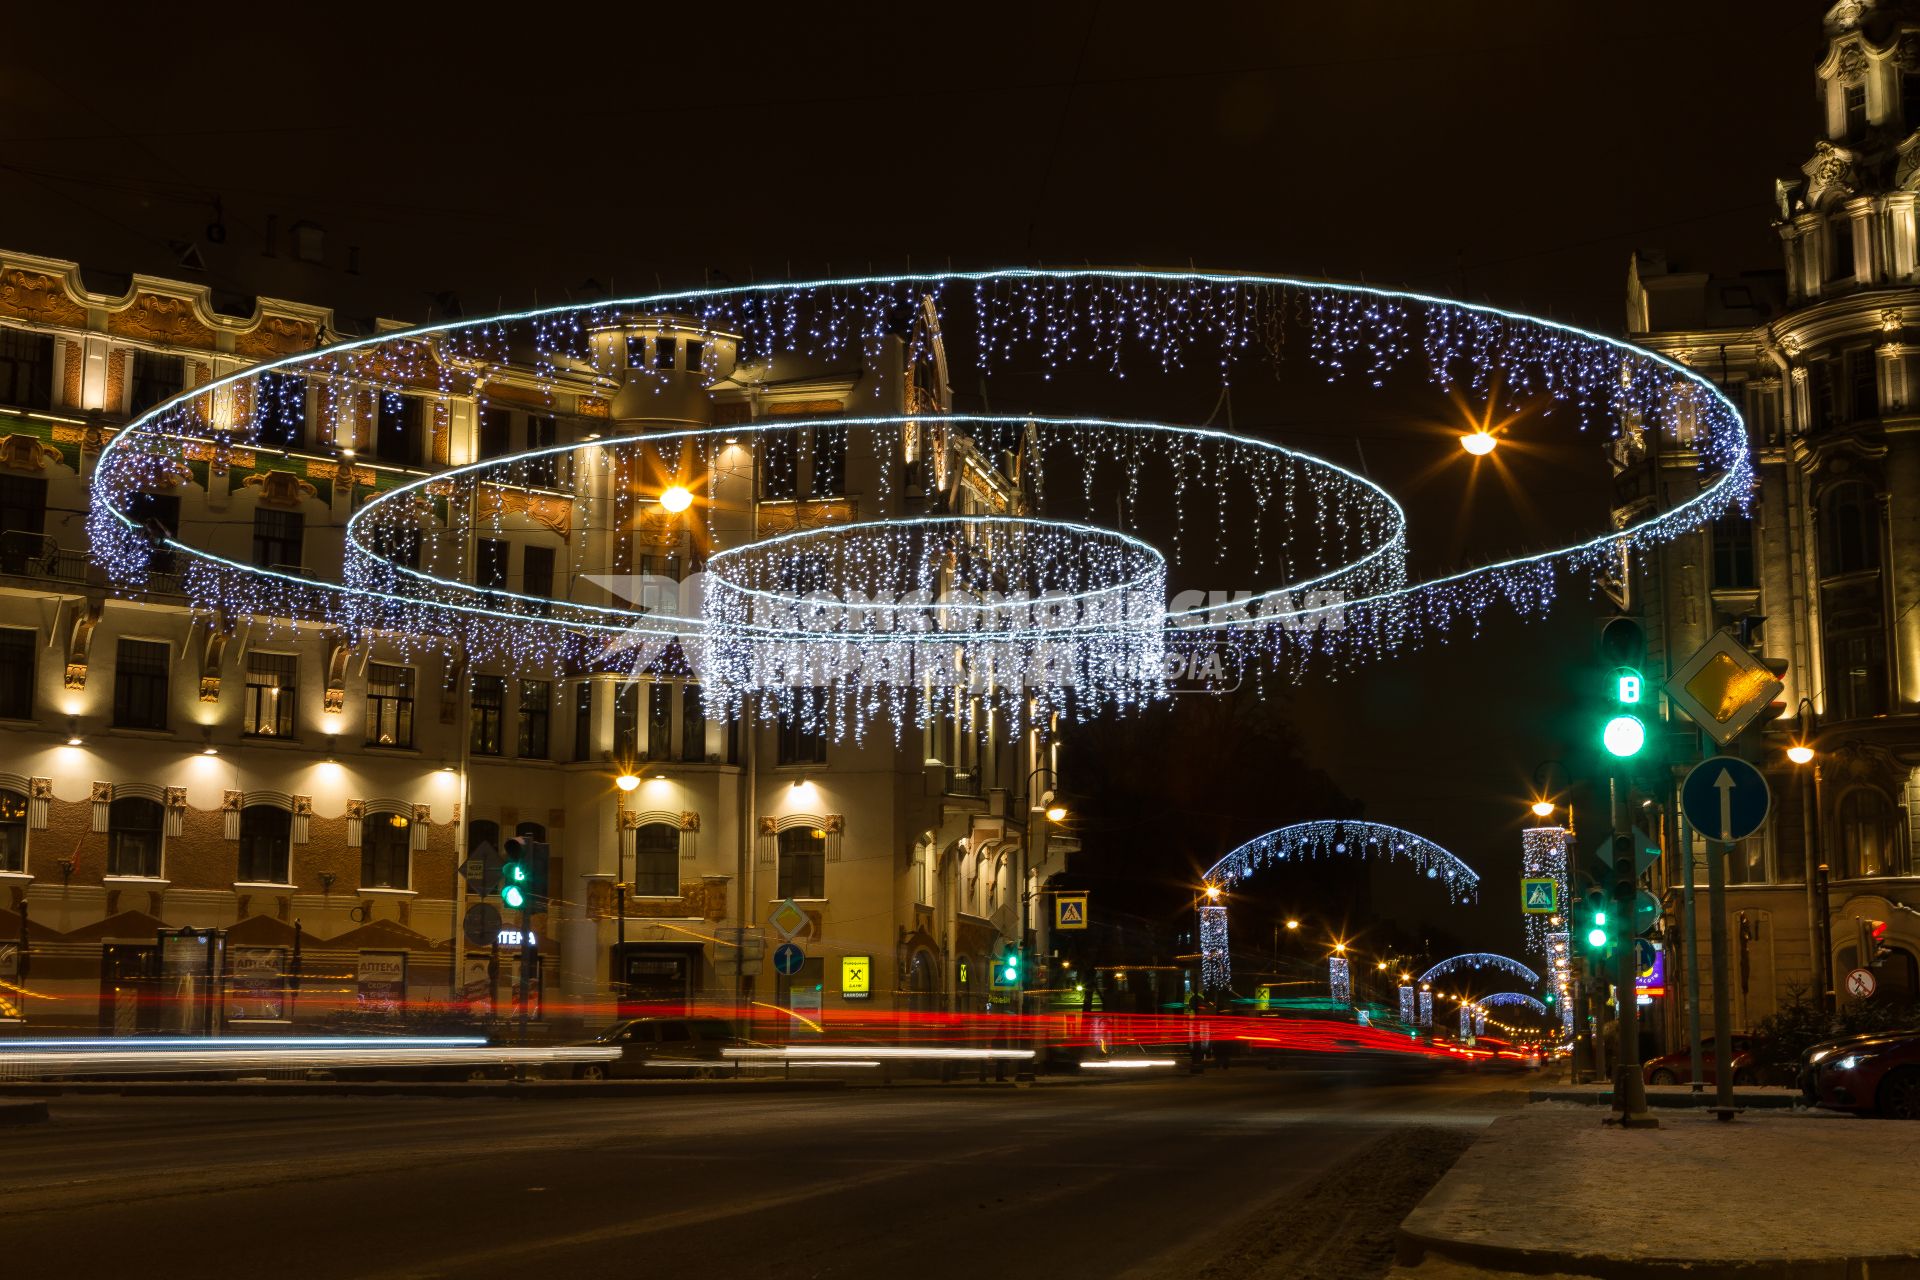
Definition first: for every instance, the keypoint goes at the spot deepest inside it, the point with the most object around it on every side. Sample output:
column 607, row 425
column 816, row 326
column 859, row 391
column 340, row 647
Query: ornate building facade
column 1824, row 360
column 312, row 800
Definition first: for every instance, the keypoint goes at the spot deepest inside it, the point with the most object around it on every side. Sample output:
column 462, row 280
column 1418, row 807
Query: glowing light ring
column 1346, row 838
column 1068, row 315
column 1381, row 565
column 1482, row 960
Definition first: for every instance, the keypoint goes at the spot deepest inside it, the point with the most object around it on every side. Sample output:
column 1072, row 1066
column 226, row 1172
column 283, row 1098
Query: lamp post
column 1819, row 920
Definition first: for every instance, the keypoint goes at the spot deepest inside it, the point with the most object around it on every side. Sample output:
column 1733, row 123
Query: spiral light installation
column 1074, row 630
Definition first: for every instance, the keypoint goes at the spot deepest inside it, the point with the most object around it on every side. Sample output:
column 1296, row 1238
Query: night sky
column 1515, row 153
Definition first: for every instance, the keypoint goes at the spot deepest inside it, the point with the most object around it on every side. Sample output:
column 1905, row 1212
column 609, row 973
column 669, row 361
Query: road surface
column 1133, row 1178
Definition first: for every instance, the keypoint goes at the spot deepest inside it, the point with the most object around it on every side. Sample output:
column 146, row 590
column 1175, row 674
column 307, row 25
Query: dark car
column 1677, row 1067
column 665, row 1046
column 1878, row 1074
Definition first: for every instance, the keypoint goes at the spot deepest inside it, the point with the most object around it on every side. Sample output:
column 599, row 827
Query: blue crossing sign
column 1725, row 799
column 787, row 959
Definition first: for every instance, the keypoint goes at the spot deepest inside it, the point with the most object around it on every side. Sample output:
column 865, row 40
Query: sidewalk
column 1551, row 1192
column 1670, row 1095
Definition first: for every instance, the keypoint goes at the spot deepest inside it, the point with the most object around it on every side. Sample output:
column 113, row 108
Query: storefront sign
column 856, row 977
column 382, row 979
column 256, row 984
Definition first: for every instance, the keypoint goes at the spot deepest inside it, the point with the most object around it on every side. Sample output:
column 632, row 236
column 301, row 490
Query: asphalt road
column 1133, row 1178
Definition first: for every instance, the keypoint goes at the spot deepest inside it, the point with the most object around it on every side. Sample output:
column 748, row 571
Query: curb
column 16, row 1113
column 531, row 1091
column 1774, row 1099
column 1411, row 1248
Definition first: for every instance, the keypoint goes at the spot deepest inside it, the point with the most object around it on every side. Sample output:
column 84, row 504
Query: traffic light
column 1873, row 942
column 514, row 876
column 1010, row 966
column 1747, row 631
column 1623, row 647
column 1595, row 926
column 537, row 860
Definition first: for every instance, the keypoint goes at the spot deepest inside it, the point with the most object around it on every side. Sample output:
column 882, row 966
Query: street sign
column 481, row 925
column 1725, row 798
column 1646, row 912
column 856, row 977
column 1645, row 851
column 789, row 918
column 1723, row 687
column 1861, row 984
column 787, row 959
column 1539, row 897
column 1070, row 911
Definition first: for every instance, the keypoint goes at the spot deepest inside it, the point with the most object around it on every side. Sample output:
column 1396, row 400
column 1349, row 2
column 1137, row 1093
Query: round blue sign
column 1725, row 798
column 787, row 959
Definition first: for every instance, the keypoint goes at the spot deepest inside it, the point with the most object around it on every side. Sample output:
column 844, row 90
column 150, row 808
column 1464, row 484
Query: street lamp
column 1800, row 753
column 627, row 780
column 1292, row 925
column 676, row 498
column 1478, row 443
column 1213, row 894
column 1543, row 808
column 1056, row 813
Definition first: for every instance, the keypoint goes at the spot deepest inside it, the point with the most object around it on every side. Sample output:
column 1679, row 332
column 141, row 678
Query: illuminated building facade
column 268, row 777
column 1824, row 362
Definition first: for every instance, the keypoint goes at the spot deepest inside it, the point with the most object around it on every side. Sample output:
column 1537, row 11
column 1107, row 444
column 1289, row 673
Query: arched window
column 13, row 831
column 656, row 860
column 803, row 862
column 1872, row 842
column 1849, row 530
column 386, row 851
column 266, row 844
column 134, row 828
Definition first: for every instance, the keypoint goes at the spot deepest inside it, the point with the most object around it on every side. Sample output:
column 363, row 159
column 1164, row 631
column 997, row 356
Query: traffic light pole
column 1630, row 1088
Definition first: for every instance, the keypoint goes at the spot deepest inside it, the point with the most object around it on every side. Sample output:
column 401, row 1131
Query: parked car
column 665, row 1046
column 1677, row 1068
column 1877, row 1073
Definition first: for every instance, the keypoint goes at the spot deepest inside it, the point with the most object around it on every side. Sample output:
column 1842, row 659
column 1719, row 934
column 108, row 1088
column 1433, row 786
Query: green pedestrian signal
column 514, row 877
column 1010, row 967
column 1624, row 736
column 1597, row 936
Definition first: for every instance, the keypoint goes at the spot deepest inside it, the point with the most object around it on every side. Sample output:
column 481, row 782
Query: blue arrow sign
column 1725, row 798
column 787, row 959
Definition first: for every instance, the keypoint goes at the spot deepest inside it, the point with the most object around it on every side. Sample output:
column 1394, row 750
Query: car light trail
column 210, row 1057
column 1124, row 1064
column 801, row 1052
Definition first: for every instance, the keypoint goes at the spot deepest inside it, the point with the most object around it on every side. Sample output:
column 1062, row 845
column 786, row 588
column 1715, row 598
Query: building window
column 1849, row 530
column 663, row 352
column 780, row 464
column 134, row 828
column 13, row 831
column 490, row 563
column 386, row 841
column 799, row 743
column 626, row 722
column 1863, row 385
column 281, row 418
column 399, row 435
column 536, row 710
column 19, row 650
column 1872, row 836
column 829, row 477
column 23, row 522
column 659, row 721
column 140, row 685
column 26, row 369
column 536, row 572
column 1854, row 106
column 696, row 355
column 542, row 433
column 403, row 544
column 159, row 515
column 1733, row 553
column 279, row 539
column 656, row 861
column 156, row 378
column 636, row 352
column 496, row 433
column 583, row 721
column 1856, row 665
column 1910, row 99
column 266, row 844
column 693, row 724
column 389, row 705
column 488, row 714
column 803, row 862
column 270, row 694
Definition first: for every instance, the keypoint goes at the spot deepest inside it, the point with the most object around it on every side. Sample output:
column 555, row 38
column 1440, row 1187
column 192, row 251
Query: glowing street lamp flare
column 1543, row 808
column 627, row 781
column 677, row 498
column 1478, row 443
column 1800, row 753
column 1057, row 813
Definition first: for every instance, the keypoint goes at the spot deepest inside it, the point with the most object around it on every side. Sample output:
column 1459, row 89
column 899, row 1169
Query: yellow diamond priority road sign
column 1722, row 688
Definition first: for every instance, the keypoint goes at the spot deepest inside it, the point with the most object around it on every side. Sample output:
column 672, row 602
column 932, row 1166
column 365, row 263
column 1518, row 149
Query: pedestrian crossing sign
column 1070, row 911
column 1539, row 897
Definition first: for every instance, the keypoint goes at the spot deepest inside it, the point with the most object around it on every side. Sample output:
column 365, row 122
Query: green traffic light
column 1597, row 937
column 513, row 896
column 1624, row 736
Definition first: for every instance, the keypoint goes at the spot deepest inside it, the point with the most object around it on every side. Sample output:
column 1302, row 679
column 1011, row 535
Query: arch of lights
column 1477, row 960
column 1324, row 838
column 1056, row 606
column 1520, row 998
